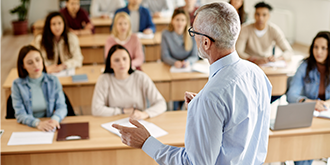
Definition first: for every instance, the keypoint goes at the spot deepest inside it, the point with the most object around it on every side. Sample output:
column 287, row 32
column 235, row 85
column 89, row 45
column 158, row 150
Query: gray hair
column 220, row 21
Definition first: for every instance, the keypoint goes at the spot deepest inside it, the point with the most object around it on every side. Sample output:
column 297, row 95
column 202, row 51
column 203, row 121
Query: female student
column 177, row 47
column 59, row 47
column 239, row 6
column 122, row 90
column 311, row 83
column 122, row 34
column 36, row 94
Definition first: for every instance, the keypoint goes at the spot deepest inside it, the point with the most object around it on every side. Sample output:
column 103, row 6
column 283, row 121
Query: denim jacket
column 22, row 100
column 300, row 89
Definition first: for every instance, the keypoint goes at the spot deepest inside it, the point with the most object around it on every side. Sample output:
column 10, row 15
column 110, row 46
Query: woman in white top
column 122, row 34
column 105, row 8
column 122, row 90
column 59, row 47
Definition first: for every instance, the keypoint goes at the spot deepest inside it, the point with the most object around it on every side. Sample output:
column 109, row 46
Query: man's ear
column 206, row 43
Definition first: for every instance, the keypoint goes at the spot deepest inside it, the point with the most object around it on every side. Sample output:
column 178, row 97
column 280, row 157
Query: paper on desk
column 201, row 67
column 65, row 73
column 153, row 129
column 145, row 36
column 323, row 114
column 180, row 70
column 27, row 138
column 277, row 64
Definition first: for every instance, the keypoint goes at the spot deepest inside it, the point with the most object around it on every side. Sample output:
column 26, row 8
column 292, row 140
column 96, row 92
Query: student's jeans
column 304, row 162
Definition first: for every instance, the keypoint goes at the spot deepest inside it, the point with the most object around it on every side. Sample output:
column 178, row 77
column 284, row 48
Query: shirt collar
column 222, row 62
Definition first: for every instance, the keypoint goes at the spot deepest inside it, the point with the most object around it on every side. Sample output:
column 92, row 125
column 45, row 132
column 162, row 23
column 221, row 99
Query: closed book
column 79, row 78
column 73, row 131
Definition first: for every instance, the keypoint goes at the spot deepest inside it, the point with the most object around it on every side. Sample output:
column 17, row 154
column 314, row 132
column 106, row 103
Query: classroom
column 202, row 82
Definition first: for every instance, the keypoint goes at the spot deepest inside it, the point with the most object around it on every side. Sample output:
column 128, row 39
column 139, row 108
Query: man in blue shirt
column 228, row 120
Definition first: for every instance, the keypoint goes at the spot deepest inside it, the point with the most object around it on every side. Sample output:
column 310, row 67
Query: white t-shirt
column 135, row 20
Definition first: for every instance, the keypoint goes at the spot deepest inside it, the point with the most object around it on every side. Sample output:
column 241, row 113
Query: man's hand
column 133, row 137
column 188, row 96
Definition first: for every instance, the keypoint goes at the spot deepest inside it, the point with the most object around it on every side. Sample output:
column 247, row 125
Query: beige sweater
column 111, row 94
column 249, row 44
column 75, row 61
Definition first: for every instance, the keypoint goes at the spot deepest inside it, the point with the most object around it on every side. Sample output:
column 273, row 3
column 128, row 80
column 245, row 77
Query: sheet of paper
column 323, row 114
column 145, row 36
column 201, row 67
column 180, row 70
column 153, row 129
column 277, row 64
column 65, row 73
column 28, row 138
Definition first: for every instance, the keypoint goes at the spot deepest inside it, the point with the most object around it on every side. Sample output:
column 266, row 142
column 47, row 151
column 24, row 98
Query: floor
column 10, row 46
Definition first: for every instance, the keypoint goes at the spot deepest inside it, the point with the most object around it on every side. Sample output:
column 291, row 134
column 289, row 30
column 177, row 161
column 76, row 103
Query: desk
column 103, row 147
column 81, row 93
column 106, row 148
column 102, row 26
column 92, row 47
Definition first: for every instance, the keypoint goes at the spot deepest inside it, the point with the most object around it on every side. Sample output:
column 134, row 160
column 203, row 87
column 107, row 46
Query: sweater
column 249, row 44
column 138, row 90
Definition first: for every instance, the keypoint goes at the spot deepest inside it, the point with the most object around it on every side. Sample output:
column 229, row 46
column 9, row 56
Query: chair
column 11, row 112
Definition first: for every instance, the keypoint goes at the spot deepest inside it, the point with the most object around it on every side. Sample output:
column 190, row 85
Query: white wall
column 38, row 10
column 311, row 16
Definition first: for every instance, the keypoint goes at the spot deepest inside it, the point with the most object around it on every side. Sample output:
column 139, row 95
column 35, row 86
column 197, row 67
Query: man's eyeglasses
column 192, row 34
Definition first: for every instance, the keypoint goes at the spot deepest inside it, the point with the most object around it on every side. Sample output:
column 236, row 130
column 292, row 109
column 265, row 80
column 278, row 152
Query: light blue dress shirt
column 228, row 120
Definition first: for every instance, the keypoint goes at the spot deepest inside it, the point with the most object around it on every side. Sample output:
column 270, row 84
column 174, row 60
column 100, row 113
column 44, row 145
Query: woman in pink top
column 122, row 34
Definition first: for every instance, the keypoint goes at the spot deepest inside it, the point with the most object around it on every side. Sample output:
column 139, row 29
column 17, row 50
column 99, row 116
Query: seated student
column 159, row 8
column 122, row 34
column 255, row 42
column 177, row 47
column 105, row 8
column 36, row 94
column 190, row 7
column 311, row 83
column 122, row 90
column 141, row 19
column 77, row 18
column 59, row 47
column 239, row 6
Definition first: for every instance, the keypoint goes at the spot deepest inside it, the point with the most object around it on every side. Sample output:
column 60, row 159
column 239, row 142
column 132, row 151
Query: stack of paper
column 28, row 138
column 323, row 114
column 180, row 70
column 153, row 129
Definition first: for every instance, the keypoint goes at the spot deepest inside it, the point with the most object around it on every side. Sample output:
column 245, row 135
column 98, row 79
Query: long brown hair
column 241, row 13
column 22, row 73
column 311, row 61
column 188, row 44
column 47, row 41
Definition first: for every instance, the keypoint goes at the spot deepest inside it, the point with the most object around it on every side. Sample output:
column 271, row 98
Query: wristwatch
column 303, row 100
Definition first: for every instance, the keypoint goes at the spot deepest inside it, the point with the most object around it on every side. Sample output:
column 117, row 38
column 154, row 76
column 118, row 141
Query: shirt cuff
column 151, row 146
column 35, row 123
column 56, row 118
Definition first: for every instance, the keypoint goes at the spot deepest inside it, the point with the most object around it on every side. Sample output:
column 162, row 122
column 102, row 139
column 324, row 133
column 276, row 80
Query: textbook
column 73, row 131
column 79, row 78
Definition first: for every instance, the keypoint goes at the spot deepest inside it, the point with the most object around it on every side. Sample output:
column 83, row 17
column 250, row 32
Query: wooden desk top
column 157, row 71
column 162, row 20
column 97, row 21
column 100, row 139
column 98, row 40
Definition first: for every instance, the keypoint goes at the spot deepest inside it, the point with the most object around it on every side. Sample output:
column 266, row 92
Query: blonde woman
column 177, row 47
column 122, row 34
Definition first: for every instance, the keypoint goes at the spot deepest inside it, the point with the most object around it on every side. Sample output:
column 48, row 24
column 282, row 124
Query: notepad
column 180, row 70
column 277, row 64
column 323, row 114
column 153, row 129
column 29, row 138
column 73, row 131
column 79, row 78
column 145, row 36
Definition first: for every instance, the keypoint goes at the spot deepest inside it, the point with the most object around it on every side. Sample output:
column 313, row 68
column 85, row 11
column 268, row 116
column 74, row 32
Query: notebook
column 73, row 131
column 295, row 115
column 79, row 78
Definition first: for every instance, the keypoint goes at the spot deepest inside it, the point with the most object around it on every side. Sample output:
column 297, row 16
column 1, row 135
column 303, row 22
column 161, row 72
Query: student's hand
column 45, row 126
column 54, row 123
column 134, row 137
column 52, row 68
column 89, row 26
column 156, row 15
column 271, row 59
column 147, row 31
column 320, row 105
column 178, row 64
column 61, row 67
column 185, row 64
column 76, row 32
column 188, row 96
column 128, row 110
column 138, row 115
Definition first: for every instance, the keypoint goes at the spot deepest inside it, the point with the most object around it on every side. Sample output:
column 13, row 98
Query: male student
column 77, row 18
column 141, row 20
column 228, row 120
column 257, row 40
